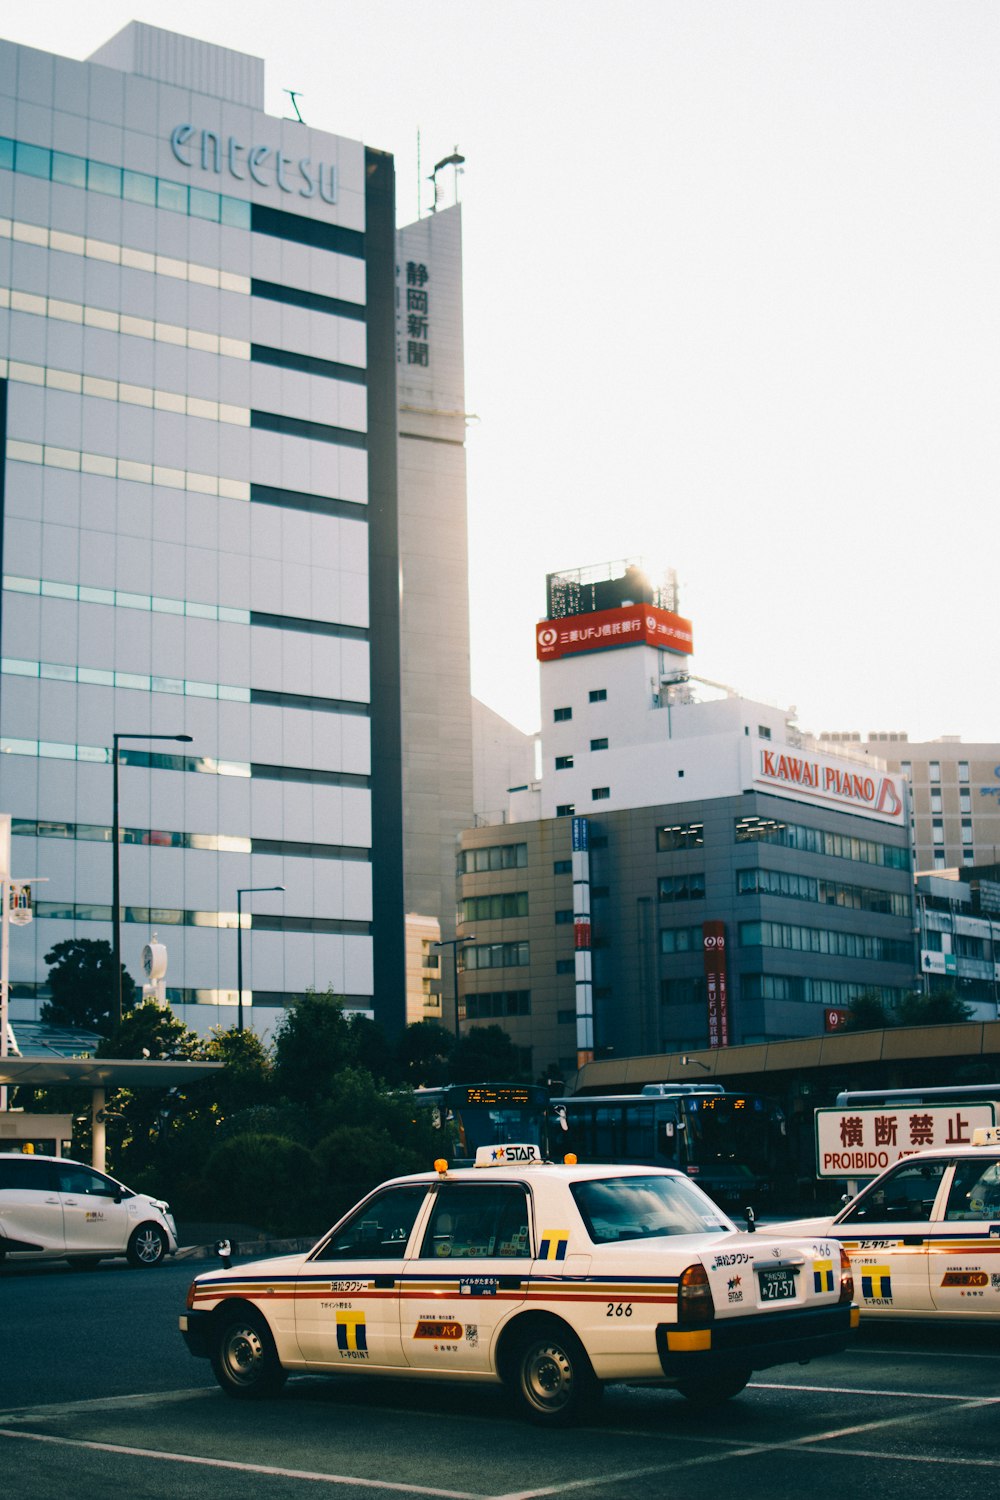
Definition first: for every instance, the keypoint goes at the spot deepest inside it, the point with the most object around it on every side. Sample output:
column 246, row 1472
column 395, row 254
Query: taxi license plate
column 777, row 1284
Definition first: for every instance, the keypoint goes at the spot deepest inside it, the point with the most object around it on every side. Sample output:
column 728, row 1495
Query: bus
column 734, row 1145
column 959, row 1093
column 488, row 1114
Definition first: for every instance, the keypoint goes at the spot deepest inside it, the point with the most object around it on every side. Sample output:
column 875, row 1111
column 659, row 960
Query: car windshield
column 632, row 1208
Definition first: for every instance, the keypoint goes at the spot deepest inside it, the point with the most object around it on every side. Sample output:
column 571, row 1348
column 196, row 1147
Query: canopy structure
column 100, row 1074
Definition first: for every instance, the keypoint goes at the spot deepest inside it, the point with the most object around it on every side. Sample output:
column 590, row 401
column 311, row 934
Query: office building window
column 600, row 793
column 965, row 802
column 601, row 744
column 565, row 966
column 563, row 918
column 680, row 836
column 938, row 859
column 560, row 715
column 598, row 695
column 937, row 827
column 934, row 770
column 565, row 809
column 935, row 802
column 562, row 867
column 495, row 907
column 963, row 770
column 689, row 887
column 564, row 762
column 966, row 831
column 494, row 857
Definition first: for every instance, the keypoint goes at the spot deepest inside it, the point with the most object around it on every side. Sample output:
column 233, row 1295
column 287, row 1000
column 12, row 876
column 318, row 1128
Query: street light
column 454, row 944
column 244, row 890
column 116, row 910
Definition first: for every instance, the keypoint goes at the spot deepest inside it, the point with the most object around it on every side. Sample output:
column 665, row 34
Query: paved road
column 98, row 1396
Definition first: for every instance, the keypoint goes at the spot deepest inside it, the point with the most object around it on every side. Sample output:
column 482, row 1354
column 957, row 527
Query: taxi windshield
column 632, row 1208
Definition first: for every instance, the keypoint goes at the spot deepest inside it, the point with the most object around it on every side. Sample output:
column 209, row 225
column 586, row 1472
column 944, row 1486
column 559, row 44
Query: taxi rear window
column 634, row 1208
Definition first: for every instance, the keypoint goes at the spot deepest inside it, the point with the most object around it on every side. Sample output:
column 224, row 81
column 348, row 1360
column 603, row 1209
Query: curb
column 248, row 1249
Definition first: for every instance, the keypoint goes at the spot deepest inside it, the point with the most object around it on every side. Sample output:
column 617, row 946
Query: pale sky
column 731, row 303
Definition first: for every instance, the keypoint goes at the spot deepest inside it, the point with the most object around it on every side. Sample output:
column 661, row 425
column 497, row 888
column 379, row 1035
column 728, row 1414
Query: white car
column 552, row 1279
column 55, row 1209
column 924, row 1236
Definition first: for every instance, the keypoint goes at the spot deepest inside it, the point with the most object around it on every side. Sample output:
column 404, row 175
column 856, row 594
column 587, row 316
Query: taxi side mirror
column 751, row 1219
column 224, row 1250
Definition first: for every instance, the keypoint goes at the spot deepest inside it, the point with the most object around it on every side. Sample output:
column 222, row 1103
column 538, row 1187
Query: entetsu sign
column 265, row 165
column 813, row 778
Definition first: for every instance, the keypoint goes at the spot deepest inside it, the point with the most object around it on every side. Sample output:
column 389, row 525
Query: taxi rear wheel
column 244, row 1359
column 551, row 1376
column 714, row 1390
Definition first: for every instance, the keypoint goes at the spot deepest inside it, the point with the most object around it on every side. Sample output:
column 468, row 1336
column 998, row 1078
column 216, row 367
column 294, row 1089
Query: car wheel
column 147, row 1246
column 244, row 1358
column 713, row 1390
column 551, row 1377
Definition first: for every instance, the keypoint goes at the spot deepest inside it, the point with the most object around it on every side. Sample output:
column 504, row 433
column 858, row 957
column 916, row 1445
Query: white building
column 200, row 526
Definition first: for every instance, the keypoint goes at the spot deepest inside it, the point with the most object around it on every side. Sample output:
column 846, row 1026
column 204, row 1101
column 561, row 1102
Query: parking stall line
column 856, row 1390
column 266, row 1470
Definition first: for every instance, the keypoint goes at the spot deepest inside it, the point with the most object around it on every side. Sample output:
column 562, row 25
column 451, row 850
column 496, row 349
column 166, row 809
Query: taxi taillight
column 694, row 1296
column 846, row 1277
column 189, row 1300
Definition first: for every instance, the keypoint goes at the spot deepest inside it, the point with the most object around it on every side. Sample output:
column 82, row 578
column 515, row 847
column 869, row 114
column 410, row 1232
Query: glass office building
column 199, row 528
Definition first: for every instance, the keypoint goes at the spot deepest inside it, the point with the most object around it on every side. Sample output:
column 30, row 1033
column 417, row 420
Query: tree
column 868, row 1013
column 313, row 1043
column 939, row 1008
column 486, row 1054
column 423, row 1054
column 81, row 978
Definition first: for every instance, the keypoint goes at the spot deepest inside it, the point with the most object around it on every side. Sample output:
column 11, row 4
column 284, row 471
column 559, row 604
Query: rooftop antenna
column 455, row 160
column 295, row 96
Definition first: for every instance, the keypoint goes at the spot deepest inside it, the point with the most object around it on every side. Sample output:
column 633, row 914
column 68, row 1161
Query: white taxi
column 552, row 1279
column 924, row 1236
column 52, row 1208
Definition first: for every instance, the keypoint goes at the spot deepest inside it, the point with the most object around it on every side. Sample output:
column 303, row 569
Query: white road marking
column 855, row 1390
column 242, row 1468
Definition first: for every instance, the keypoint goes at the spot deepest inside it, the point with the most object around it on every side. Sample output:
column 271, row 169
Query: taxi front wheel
column 244, row 1359
column 714, row 1390
column 147, row 1246
column 551, row 1376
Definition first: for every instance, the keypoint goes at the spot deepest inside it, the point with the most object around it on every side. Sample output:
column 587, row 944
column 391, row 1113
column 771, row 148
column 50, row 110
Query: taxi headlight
column 694, row 1296
column 846, row 1277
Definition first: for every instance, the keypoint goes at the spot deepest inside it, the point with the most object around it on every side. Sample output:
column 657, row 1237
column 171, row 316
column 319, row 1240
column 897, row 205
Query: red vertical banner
column 713, row 938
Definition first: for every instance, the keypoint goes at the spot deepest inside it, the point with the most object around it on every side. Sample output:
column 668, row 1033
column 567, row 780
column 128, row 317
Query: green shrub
column 266, row 1180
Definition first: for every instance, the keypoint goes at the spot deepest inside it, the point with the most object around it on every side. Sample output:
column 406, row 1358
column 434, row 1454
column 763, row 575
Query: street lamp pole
column 116, row 909
column 454, row 944
column 241, row 892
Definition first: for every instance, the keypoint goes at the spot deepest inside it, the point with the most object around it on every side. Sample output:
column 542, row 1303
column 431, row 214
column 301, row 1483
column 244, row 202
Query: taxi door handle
column 383, row 1283
column 52, row 1200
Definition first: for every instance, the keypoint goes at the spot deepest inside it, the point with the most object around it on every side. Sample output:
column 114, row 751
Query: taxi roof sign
column 506, row 1156
column 986, row 1135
